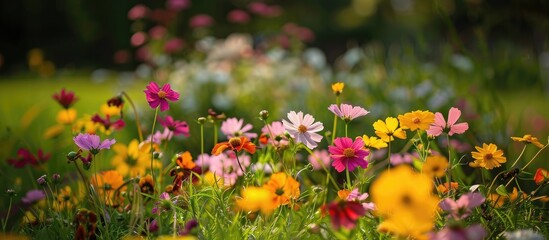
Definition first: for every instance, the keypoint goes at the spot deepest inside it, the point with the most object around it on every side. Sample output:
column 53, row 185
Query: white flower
column 303, row 128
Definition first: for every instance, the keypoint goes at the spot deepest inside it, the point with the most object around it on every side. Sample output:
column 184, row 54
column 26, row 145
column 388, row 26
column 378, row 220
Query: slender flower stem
column 215, row 132
column 152, row 147
column 346, row 126
column 136, row 116
column 335, row 121
column 450, row 164
column 328, row 175
column 84, row 178
column 238, row 161
column 270, row 132
column 202, row 147
column 348, row 176
column 520, row 155
column 535, row 156
column 7, row 216
column 389, row 155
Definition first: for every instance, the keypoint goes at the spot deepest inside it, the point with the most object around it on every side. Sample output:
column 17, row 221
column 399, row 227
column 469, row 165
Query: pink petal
column 434, row 130
column 164, row 105
column 153, row 87
column 439, row 120
column 448, row 205
column 453, row 116
column 458, row 128
column 338, row 165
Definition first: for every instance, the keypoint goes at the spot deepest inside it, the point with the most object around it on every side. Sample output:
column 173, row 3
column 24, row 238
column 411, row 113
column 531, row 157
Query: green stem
column 520, row 155
column 7, row 216
column 215, row 132
column 136, row 116
column 348, row 176
column 328, row 175
column 449, row 178
column 346, row 126
column 535, row 156
column 389, row 155
column 202, row 148
column 152, row 147
column 335, row 121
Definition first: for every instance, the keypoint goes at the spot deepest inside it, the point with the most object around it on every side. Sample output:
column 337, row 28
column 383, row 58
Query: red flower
column 235, row 144
column 65, row 98
column 343, row 213
column 157, row 96
column 541, row 176
column 25, row 157
column 107, row 123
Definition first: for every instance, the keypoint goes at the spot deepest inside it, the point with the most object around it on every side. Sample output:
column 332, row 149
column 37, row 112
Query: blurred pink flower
column 65, row 98
column 319, row 158
column 159, row 96
column 226, row 167
column 121, row 56
column 348, row 154
column 233, row 127
column 303, row 128
column 462, row 208
column 25, row 157
column 473, row 232
column 138, row 11
column 238, row 16
column 347, row 112
column 440, row 124
column 278, row 134
column 178, row 5
column 92, row 142
column 33, row 196
column 143, row 54
column 176, row 127
column 265, row 10
column 138, row 39
column 158, row 32
column 173, row 45
column 201, row 20
column 107, row 123
column 355, row 196
column 397, row 159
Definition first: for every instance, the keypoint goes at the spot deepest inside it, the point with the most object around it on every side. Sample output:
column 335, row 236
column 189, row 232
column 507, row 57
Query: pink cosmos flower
column 158, row 137
column 238, row 16
column 397, row 159
column 319, row 158
column 348, row 154
column 232, row 127
column 138, row 11
column 178, row 5
column 158, row 32
column 138, row 39
column 303, row 128
column 473, row 232
column 201, row 20
column 159, row 96
column 440, row 124
column 265, row 10
column 225, row 166
column 92, row 142
column 347, row 112
column 461, row 208
column 176, row 127
column 173, row 45
column 355, row 196
column 277, row 130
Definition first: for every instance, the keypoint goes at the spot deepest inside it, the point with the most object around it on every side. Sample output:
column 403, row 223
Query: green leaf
column 502, row 191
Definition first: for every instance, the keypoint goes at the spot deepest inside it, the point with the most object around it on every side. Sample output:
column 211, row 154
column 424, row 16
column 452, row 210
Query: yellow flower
column 337, row 88
column 106, row 183
column 416, row 120
column 284, row 188
column 515, row 195
column 373, row 142
column 488, row 156
column 256, row 199
column 110, row 110
column 85, row 125
column 146, row 184
column 497, row 200
column 64, row 199
column 389, row 129
column 528, row 139
column 401, row 196
column 132, row 160
column 435, row 166
column 212, row 180
column 53, row 131
column 66, row 116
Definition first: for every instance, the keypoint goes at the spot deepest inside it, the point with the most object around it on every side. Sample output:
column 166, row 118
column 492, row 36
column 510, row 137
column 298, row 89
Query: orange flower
column 443, row 188
column 416, row 120
column 185, row 160
column 541, row 176
column 488, row 156
column 528, row 139
column 343, row 194
column 284, row 188
column 106, row 184
column 234, row 144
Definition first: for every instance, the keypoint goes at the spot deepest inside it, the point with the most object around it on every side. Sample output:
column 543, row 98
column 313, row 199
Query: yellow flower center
column 416, row 120
column 235, row 142
column 161, row 94
column 302, row 129
column 349, row 152
column 488, row 156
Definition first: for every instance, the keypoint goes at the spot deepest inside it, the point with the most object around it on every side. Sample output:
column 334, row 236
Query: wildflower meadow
column 255, row 135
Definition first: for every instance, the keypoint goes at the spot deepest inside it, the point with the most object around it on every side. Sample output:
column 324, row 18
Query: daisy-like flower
column 303, row 128
column 348, row 154
column 347, row 112
column 284, row 188
column 278, row 131
column 157, row 96
column 528, row 139
column 343, row 213
column 236, row 144
column 319, row 158
column 106, row 183
column 435, row 166
column 233, row 127
column 146, row 185
column 356, row 196
column 176, row 127
column 463, row 207
column 337, row 88
column 373, row 142
column 133, row 159
column 416, row 120
column 92, row 143
column 388, row 130
column 541, row 176
column 441, row 125
column 65, row 98
column 488, row 156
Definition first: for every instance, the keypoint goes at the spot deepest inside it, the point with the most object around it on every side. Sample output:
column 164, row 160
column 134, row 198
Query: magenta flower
column 173, row 45
column 233, row 127
column 462, row 208
column 159, row 96
column 107, row 123
column 319, row 158
column 303, row 128
column 65, row 98
column 347, row 112
column 176, row 127
column 348, row 154
column 238, row 16
column 440, row 124
column 201, row 20
column 92, row 142
column 473, row 232
column 25, row 157
column 138, row 11
column 178, row 5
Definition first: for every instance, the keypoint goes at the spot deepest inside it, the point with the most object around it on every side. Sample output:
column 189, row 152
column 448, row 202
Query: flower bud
column 11, row 192
column 201, row 120
column 264, row 114
column 42, row 180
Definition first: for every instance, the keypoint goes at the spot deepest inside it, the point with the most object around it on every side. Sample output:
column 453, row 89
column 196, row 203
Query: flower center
column 302, row 129
column 161, row 94
column 235, row 142
column 349, row 153
column 279, row 191
column 416, row 120
column 435, row 169
column 406, row 200
column 488, row 156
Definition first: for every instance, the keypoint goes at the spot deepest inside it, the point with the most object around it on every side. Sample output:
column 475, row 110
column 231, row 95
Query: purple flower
column 92, row 142
column 461, row 208
column 319, row 158
column 157, row 96
column 153, row 227
column 175, row 126
column 42, row 180
column 232, row 127
column 303, row 128
column 33, row 196
column 473, row 232
column 347, row 112
column 348, row 154
column 162, row 198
